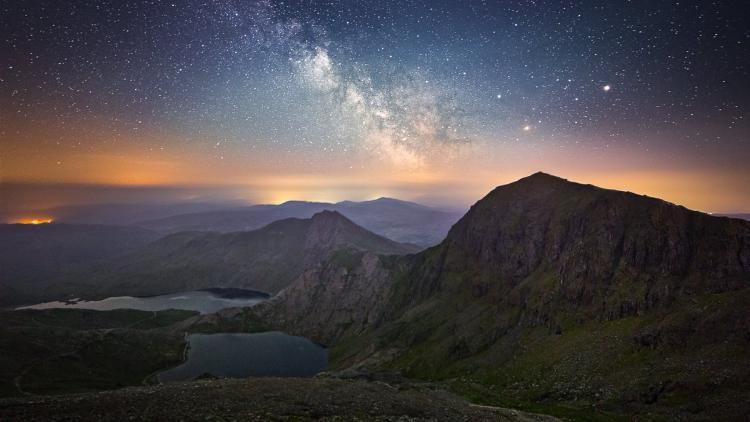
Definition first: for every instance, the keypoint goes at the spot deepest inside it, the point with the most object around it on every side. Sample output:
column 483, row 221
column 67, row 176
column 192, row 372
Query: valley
column 245, row 355
column 548, row 296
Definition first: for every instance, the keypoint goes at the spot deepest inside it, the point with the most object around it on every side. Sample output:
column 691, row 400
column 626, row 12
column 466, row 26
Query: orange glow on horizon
column 705, row 182
column 34, row 221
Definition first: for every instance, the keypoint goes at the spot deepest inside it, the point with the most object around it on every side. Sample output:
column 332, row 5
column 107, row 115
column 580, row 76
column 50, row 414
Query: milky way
column 369, row 85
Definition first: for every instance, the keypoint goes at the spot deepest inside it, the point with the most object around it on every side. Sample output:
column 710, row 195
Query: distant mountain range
column 549, row 291
column 740, row 216
column 38, row 257
column 401, row 221
column 267, row 259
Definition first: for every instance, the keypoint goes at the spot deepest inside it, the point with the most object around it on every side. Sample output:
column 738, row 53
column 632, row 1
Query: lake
column 269, row 354
column 203, row 301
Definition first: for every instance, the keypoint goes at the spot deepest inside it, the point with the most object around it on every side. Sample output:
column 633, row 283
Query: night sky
column 435, row 101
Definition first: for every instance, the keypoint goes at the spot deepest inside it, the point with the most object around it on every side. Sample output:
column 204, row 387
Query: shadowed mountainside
column 398, row 220
column 548, row 291
column 267, row 259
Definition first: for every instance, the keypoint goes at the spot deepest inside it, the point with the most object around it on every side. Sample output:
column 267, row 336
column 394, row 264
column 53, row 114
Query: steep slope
column 343, row 296
column 267, row 259
column 548, row 291
column 31, row 254
column 608, row 252
column 398, row 220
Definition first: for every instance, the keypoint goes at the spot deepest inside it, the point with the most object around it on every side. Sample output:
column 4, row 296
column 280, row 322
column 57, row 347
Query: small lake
column 203, row 301
column 270, row 354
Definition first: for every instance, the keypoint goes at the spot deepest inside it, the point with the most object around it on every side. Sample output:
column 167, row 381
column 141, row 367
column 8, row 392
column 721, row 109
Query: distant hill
column 550, row 293
column 401, row 221
column 30, row 255
column 267, row 259
column 740, row 216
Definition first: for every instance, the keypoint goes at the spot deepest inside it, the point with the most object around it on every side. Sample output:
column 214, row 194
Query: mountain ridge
column 641, row 287
column 403, row 221
column 266, row 259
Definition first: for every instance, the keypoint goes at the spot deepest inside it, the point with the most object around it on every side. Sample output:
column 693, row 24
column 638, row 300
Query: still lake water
column 249, row 355
column 204, row 302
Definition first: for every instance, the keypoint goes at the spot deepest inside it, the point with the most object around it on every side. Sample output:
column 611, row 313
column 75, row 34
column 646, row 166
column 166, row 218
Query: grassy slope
column 65, row 350
column 688, row 361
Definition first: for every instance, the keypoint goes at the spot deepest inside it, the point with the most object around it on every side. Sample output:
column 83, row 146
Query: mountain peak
column 540, row 221
column 331, row 222
column 328, row 215
column 333, row 230
column 542, row 177
column 539, row 184
column 380, row 200
column 394, row 202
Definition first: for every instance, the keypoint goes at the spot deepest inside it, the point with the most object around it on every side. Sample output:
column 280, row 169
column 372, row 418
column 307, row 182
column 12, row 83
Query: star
column 278, row 87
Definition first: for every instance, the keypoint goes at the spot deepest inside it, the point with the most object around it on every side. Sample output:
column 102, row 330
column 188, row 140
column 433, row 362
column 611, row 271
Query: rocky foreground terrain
column 266, row 399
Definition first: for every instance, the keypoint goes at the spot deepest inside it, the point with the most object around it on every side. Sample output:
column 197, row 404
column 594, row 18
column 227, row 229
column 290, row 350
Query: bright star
column 606, row 88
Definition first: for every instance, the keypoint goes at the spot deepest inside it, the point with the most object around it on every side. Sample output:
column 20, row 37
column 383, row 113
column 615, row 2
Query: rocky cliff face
column 343, row 296
column 330, row 231
column 569, row 246
column 550, row 290
column 536, row 250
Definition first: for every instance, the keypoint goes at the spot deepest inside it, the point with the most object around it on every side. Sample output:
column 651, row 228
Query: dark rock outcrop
column 551, row 246
column 343, row 296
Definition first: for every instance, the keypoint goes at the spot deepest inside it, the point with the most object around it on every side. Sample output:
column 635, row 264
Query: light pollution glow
column 33, row 221
column 698, row 184
column 436, row 102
